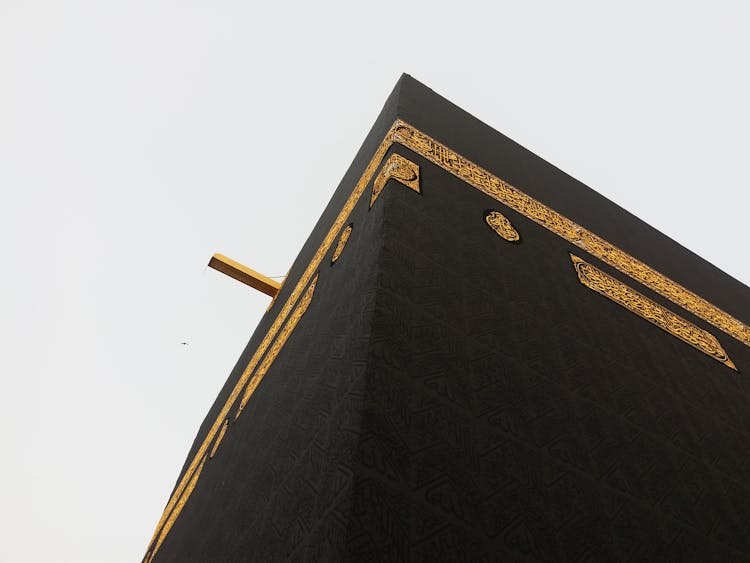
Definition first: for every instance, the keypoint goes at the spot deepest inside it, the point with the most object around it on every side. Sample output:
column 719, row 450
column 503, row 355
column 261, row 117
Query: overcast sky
column 139, row 137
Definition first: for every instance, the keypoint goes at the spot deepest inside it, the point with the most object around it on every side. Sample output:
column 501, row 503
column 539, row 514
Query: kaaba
column 475, row 357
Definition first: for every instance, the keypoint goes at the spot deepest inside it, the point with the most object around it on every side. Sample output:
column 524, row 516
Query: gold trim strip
column 219, row 438
column 604, row 284
column 499, row 190
column 277, row 345
column 312, row 267
column 178, row 508
column 481, row 179
column 275, row 297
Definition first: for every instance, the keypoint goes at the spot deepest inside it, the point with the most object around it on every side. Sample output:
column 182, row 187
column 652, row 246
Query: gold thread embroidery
column 397, row 168
column 278, row 345
column 219, row 438
column 502, row 226
column 604, row 284
column 343, row 239
column 499, row 190
column 325, row 245
column 503, row 192
column 178, row 508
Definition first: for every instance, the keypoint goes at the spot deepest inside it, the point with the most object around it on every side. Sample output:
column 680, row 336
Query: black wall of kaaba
column 450, row 396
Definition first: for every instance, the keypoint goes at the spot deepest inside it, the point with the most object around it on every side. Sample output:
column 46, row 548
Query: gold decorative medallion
column 502, row 226
column 397, row 168
column 343, row 239
column 593, row 278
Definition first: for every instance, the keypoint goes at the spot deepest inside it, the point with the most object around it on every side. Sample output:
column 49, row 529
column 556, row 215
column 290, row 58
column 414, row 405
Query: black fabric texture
column 451, row 396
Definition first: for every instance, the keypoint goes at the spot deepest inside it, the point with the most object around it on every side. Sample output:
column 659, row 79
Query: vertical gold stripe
column 277, row 323
column 219, row 438
column 178, row 508
column 254, row 382
column 278, row 345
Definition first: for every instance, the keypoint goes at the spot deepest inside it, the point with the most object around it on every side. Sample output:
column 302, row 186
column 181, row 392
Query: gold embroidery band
column 499, row 190
column 503, row 192
column 178, row 508
column 251, row 387
column 277, row 345
column 593, row 278
column 312, row 267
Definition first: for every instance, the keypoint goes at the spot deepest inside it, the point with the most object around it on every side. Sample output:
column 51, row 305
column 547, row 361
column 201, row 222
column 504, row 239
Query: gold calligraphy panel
column 481, row 179
column 593, row 278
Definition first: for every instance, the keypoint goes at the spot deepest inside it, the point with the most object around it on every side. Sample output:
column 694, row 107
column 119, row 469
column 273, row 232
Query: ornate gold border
column 613, row 289
column 189, row 479
column 479, row 178
column 219, row 438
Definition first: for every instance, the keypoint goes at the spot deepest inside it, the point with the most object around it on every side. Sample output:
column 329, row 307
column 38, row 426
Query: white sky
column 139, row 137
